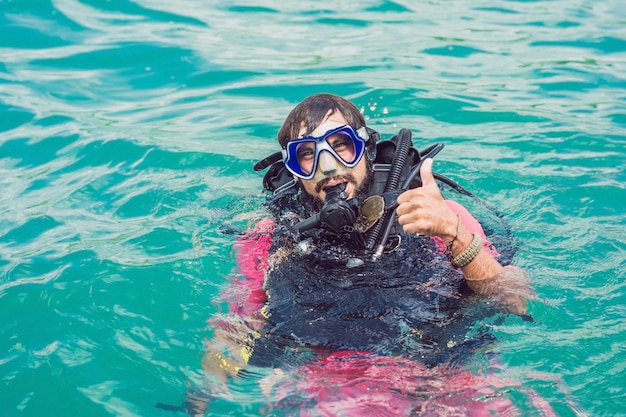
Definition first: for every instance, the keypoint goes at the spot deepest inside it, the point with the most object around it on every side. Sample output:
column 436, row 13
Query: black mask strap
column 374, row 138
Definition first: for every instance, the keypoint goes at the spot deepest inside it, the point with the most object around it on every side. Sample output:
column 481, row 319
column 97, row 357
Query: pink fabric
column 248, row 296
column 471, row 224
column 360, row 384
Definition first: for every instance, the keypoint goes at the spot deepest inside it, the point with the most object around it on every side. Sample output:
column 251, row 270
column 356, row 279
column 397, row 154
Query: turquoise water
column 127, row 134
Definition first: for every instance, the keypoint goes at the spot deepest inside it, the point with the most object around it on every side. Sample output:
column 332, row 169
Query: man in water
column 320, row 297
column 420, row 210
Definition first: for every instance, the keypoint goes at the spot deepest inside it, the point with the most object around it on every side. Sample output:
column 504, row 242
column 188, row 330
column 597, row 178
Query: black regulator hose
column 400, row 157
column 430, row 153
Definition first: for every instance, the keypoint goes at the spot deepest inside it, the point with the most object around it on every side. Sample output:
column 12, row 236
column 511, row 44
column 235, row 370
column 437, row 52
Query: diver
column 361, row 254
column 326, row 146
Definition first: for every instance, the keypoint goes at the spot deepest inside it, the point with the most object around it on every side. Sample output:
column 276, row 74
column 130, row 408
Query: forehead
column 331, row 121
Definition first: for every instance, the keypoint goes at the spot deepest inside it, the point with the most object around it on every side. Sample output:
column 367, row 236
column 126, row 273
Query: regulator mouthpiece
column 338, row 214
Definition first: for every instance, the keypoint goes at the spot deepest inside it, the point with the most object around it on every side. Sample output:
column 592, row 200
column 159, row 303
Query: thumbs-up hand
column 422, row 210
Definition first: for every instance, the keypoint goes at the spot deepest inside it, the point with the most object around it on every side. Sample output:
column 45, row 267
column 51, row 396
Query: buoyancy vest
column 326, row 293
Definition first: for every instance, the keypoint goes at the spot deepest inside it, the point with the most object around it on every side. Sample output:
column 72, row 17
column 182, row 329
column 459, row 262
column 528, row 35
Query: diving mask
column 301, row 155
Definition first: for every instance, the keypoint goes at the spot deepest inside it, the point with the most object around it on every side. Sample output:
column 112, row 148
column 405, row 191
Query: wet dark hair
column 312, row 111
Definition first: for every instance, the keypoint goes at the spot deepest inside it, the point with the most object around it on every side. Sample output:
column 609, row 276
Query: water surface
column 127, row 134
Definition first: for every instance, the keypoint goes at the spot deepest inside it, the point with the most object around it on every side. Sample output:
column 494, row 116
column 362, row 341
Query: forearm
column 509, row 286
column 483, row 266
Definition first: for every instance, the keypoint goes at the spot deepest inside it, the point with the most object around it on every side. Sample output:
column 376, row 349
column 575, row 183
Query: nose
column 327, row 163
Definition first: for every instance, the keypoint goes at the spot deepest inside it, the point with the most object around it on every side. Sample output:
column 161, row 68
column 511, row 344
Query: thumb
column 426, row 172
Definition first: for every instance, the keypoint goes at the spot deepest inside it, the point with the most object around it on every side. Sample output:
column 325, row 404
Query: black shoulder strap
column 266, row 162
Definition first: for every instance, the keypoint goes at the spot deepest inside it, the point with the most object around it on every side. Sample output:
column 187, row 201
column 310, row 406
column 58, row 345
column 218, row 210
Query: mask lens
column 305, row 155
column 344, row 146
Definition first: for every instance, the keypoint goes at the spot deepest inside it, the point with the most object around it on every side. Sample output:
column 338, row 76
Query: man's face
column 331, row 171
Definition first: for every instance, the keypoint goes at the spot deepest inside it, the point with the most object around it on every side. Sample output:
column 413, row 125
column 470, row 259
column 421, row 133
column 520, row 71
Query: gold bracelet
column 468, row 254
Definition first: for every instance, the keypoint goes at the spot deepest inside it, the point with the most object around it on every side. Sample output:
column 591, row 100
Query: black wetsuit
column 327, row 295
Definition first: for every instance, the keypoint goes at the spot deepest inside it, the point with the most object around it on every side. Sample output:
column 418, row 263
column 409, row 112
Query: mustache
column 345, row 177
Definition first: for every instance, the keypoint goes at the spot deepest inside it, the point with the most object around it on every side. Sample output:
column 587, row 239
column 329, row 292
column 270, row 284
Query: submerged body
column 327, row 293
column 347, row 335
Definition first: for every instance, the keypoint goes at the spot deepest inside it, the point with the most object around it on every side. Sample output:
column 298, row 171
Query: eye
column 342, row 143
column 305, row 152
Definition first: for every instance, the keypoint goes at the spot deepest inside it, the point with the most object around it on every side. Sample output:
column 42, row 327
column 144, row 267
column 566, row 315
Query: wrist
column 452, row 232
column 469, row 253
column 460, row 241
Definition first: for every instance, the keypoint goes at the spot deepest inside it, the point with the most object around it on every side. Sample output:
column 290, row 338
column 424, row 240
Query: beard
column 314, row 204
